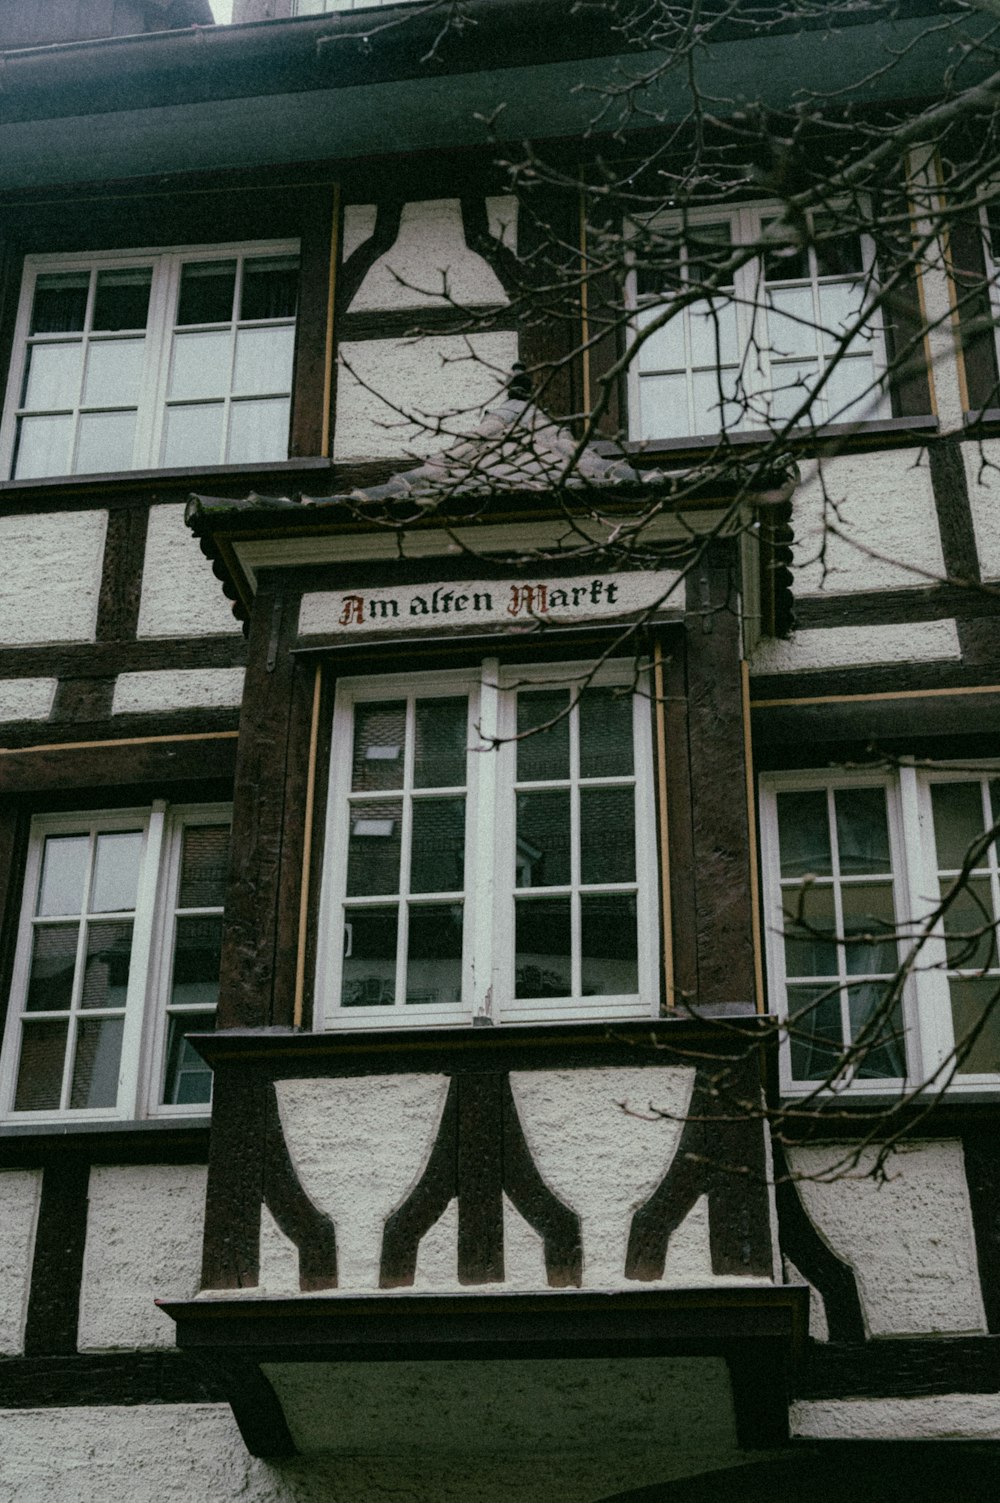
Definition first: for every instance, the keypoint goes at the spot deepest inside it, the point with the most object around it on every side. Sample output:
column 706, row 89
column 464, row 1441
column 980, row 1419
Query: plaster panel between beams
column 27, row 698
column 20, row 1192
column 955, row 1416
column 909, row 1239
column 151, row 692
column 858, row 647
column 866, row 522
column 407, row 397
column 982, row 469
column 144, row 1231
column 52, row 576
column 181, row 596
column 430, row 265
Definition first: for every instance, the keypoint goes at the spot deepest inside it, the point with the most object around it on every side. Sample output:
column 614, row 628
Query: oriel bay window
column 148, row 359
column 883, row 899
column 117, row 962
column 490, row 849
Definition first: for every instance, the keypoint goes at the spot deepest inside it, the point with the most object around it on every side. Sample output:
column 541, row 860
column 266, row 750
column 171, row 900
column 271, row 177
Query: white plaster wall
column 599, row 1148
column 193, row 1453
column 51, row 576
column 430, row 263
column 858, row 646
column 410, row 397
column 27, row 698
column 181, row 597
column 358, row 1147
column 144, row 1235
column 909, row 1240
column 279, row 1258
column 180, row 689
column 982, row 468
column 866, row 522
column 20, row 1190
column 957, row 1416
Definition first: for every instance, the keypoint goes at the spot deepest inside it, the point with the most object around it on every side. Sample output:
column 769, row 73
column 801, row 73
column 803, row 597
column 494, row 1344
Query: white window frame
column 749, row 295
column 143, row 1053
column 165, row 265
column 488, row 922
column 926, row 1006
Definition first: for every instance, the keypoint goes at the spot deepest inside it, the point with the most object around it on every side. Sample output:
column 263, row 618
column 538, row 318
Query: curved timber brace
column 302, row 1222
column 480, row 1152
column 721, row 1156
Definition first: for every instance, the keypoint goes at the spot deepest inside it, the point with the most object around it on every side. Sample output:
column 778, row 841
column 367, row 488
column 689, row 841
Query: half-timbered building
column 393, row 864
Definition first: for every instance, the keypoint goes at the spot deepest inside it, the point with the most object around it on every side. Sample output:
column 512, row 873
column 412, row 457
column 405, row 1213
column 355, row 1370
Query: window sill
column 843, row 435
column 182, row 477
column 172, row 1139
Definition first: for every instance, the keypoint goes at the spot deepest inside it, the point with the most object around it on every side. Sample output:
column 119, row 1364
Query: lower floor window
column 490, row 849
column 883, row 898
column 117, row 962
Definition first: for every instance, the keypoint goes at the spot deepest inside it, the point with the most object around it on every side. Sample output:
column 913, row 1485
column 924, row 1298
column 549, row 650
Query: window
column 142, row 360
column 318, row 7
column 749, row 354
column 117, row 961
column 856, row 869
column 514, row 883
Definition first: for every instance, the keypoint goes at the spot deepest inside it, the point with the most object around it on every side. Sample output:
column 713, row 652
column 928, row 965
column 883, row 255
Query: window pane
column 607, row 834
column 270, row 287
column 263, row 360
column 714, row 394
column 851, row 392
column 197, row 955
column 379, row 737
column 106, row 967
column 370, row 957
column 862, row 831
column 663, row 409
column 791, row 383
column 713, row 333
column 258, row 431
column 122, row 298
column 437, row 859
column 42, row 447
column 204, row 865
column 814, row 1031
column 106, row 442
column 837, row 253
column 95, row 1070
column 804, row 834
column 975, row 1002
column 810, row 930
column 114, row 372
column 605, row 733
column 877, row 1026
column 64, row 867
column 869, row 929
column 53, row 963
column 610, row 945
column 542, row 964
column 53, row 376
column 840, row 303
column 958, row 822
column 200, row 366
column 439, row 754
column 39, row 1073
column 60, row 303
column 786, row 263
column 543, row 838
column 434, row 961
column 207, row 291
column 545, row 754
column 791, row 322
column 374, row 849
column 193, row 436
column 664, row 350
column 188, row 1079
column 971, row 928
column 116, row 872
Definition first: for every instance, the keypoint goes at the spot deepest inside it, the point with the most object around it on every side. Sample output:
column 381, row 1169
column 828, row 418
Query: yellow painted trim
column 331, row 300
column 584, row 307
column 758, row 964
column 949, row 273
column 300, row 958
column 21, row 751
column 840, row 699
column 666, row 910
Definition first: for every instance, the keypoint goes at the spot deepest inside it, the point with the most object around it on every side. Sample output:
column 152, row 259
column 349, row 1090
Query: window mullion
column 576, row 925
column 929, row 1021
column 838, row 921
column 405, row 852
column 79, row 971
column 486, row 843
column 140, row 980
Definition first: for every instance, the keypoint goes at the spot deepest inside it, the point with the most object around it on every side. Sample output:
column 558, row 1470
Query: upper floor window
column 784, row 337
column 883, row 898
column 147, row 360
column 490, row 849
column 117, row 962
